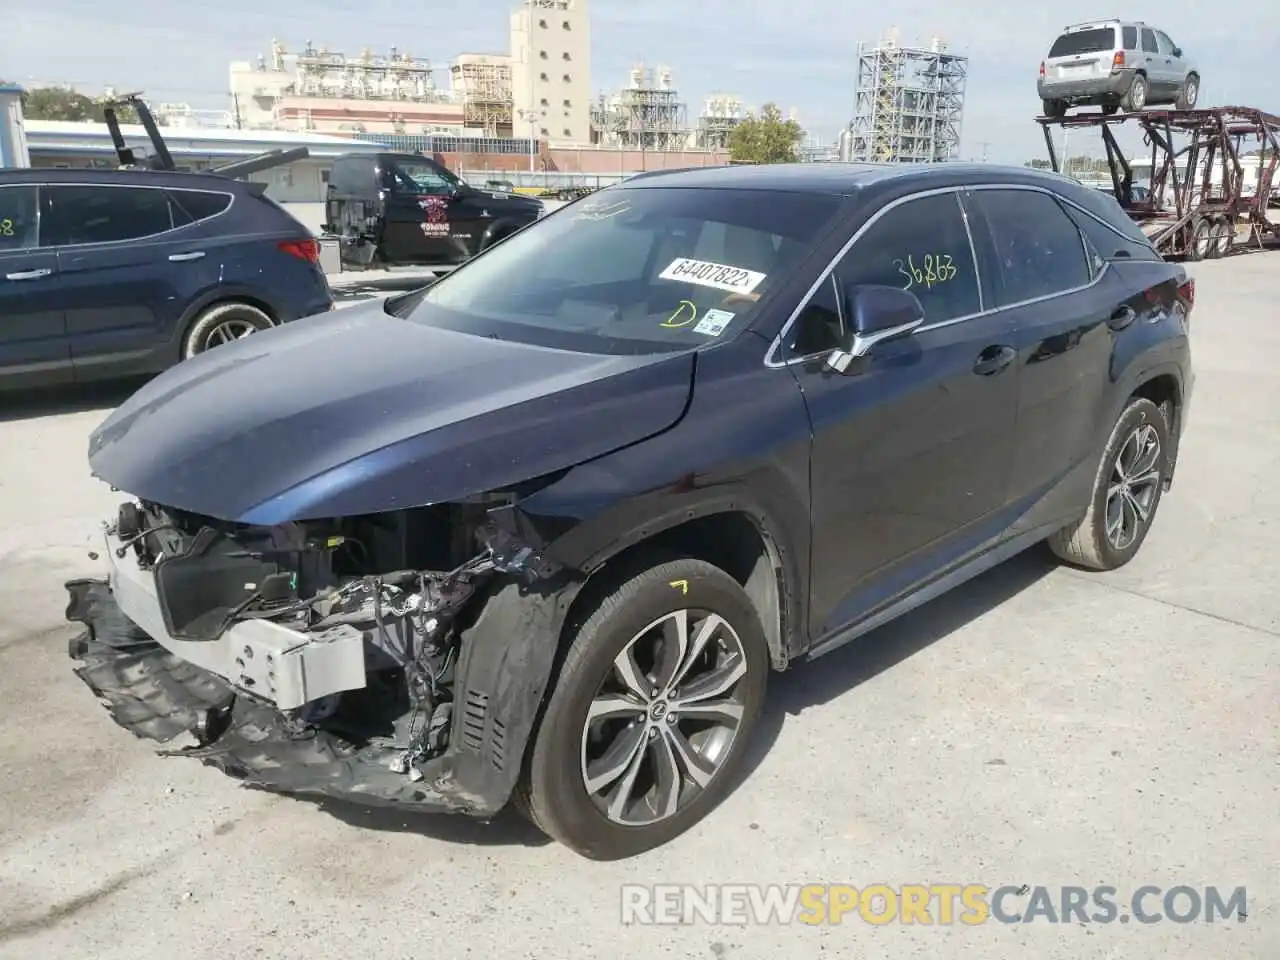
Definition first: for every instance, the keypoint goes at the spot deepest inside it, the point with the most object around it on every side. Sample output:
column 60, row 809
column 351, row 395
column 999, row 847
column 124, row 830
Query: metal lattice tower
column 910, row 103
column 646, row 115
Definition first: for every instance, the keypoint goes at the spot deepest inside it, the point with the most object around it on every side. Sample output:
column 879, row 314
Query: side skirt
column 944, row 582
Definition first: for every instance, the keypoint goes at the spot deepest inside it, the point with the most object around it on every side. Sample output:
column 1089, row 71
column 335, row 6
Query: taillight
column 1188, row 292
column 1042, row 68
column 308, row 250
column 1117, row 62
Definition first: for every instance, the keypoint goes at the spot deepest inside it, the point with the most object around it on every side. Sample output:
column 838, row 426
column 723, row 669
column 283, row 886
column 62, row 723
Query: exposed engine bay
column 401, row 589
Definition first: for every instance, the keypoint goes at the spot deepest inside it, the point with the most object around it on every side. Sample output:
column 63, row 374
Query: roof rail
column 1090, row 23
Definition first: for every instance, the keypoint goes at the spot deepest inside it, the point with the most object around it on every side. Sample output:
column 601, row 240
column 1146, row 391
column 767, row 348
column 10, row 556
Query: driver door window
column 921, row 246
column 419, row 179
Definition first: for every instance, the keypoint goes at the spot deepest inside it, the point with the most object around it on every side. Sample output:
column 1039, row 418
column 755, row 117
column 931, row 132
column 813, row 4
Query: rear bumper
column 160, row 688
column 1113, row 85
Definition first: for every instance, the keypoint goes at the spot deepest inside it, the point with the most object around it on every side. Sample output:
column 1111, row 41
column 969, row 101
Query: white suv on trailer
column 1113, row 64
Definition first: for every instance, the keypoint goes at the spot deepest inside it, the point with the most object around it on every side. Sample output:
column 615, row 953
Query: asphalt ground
column 1037, row 726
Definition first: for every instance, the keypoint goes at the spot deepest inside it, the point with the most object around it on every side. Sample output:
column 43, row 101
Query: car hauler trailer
column 1212, row 176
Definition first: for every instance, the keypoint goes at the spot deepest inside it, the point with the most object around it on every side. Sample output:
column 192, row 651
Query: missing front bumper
column 156, row 695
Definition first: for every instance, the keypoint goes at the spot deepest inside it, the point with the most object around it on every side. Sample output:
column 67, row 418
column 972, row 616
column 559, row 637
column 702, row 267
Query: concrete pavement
column 1037, row 726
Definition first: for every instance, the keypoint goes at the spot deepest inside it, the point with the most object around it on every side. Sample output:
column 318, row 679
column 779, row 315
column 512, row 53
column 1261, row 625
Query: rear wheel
column 648, row 724
column 1224, row 236
column 1135, row 98
column 1055, row 108
column 221, row 324
column 1200, row 244
column 1126, row 492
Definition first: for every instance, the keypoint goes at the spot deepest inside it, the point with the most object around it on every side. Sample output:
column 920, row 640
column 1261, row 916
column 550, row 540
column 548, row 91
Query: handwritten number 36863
column 932, row 271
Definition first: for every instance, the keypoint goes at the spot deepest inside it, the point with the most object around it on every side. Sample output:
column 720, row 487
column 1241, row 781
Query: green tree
column 767, row 138
column 64, row 103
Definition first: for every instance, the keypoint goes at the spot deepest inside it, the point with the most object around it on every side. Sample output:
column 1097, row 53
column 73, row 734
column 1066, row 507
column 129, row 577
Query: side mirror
column 1177, row 51
column 876, row 314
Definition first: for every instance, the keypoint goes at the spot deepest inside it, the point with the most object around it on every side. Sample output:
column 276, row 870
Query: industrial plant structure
column 721, row 113
column 909, row 104
column 482, row 82
column 324, row 90
column 529, row 113
column 551, row 70
column 647, row 114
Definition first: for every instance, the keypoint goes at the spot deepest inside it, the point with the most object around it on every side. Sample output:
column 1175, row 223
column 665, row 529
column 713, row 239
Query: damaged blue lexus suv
column 539, row 533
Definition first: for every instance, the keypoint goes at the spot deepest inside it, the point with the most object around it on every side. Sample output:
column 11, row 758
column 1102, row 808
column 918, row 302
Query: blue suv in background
column 107, row 273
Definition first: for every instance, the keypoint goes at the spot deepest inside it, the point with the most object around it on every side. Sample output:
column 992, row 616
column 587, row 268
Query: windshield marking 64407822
column 718, row 275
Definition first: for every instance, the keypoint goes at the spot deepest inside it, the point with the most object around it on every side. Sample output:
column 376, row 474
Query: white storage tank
column 13, row 136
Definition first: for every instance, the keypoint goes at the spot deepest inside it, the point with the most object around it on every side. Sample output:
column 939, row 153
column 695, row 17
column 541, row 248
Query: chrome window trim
column 770, row 360
column 136, row 186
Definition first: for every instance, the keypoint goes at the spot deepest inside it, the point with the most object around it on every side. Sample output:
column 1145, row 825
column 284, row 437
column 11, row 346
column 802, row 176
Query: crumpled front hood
column 358, row 412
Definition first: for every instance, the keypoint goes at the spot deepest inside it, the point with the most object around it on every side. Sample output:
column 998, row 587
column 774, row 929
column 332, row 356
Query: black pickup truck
column 405, row 209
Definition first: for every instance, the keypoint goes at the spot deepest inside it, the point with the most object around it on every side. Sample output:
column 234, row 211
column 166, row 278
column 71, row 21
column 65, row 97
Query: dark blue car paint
column 434, row 416
column 870, row 487
column 121, row 309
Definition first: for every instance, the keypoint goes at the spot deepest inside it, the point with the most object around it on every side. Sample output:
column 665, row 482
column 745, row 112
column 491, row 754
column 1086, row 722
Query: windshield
column 634, row 270
column 1084, row 41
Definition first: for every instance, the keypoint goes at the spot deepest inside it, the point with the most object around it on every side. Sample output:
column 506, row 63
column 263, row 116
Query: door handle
column 993, row 360
column 28, row 274
column 183, row 257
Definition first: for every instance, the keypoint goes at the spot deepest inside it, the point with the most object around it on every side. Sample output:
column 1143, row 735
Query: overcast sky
column 800, row 54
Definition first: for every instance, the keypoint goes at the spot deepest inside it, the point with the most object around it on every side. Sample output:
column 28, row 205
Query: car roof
column 839, row 178
column 172, row 179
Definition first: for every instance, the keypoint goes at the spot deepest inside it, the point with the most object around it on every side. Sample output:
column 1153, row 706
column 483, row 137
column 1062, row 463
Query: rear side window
column 1149, row 44
column 1130, row 35
column 1038, row 248
column 1110, row 244
column 353, row 175
column 200, row 204
column 1084, row 41
column 921, row 246
column 103, row 214
column 18, row 219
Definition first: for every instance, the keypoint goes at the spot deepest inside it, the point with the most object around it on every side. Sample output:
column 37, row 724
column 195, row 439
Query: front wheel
column 1126, row 492
column 1188, row 93
column 648, row 724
